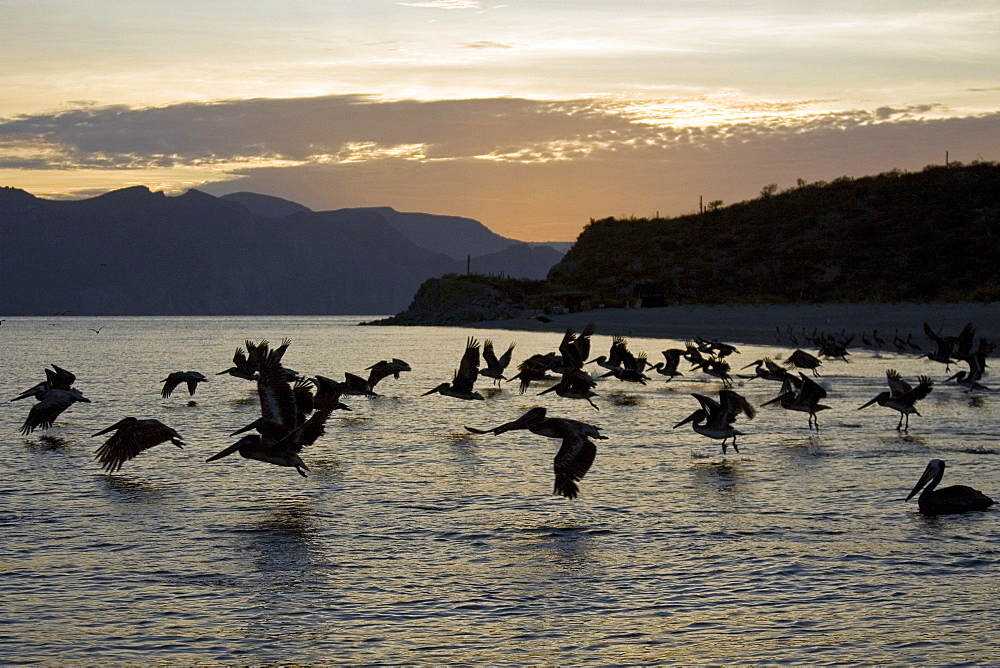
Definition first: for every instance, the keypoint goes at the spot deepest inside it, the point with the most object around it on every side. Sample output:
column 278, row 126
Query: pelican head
column 246, row 441
column 935, row 469
column 883, row 396
column 698, row 416
column 439, row 388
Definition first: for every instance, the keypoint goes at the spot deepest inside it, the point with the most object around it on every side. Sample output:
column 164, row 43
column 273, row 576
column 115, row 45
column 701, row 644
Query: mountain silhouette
column 137, row 252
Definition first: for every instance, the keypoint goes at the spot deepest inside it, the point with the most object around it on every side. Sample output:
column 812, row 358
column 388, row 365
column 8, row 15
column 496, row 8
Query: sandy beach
column 752, row 324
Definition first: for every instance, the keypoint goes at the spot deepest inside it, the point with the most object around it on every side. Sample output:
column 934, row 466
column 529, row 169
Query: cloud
column 445, row 4
column 528, row 168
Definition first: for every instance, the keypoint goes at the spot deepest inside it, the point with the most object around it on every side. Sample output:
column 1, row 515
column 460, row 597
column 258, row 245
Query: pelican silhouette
column 800, row 359
column 56, row 378
column 801, row 394
column 576, row 453
column 495, row 366
column 131, row 437
column 715, row 418
column 461, row 385
column 192, row 378
column 50, row 405
column 947, row 500
column 282, row 431
column 668, row 368
column 382, row 369
column 902, row 397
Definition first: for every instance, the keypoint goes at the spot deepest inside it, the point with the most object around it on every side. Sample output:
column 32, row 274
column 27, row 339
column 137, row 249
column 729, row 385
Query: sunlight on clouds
column 364, row 151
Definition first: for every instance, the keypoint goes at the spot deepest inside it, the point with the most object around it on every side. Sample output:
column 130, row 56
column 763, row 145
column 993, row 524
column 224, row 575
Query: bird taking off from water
column 576, row 453
column 131, row 437
column 468, row 370
column 715, row 418
column 947, row 500
column 902, row 397
column 283, row 430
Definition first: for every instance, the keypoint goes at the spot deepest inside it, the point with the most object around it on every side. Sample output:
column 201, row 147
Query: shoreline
column 760, row 324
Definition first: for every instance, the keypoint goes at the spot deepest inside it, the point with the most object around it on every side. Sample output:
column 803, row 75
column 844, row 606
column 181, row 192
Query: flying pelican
column 50, row 405
column 800, row 359
column 282, row 431
column 575, row 455
column 131, row 437
column 801, row 394
column 715, row 418
column 468, row 370
column 495, row 366
column 947, row 500
column 668, row 368
column 536, row 368
column 192, row 378
column 902, row 397
column 575, row 384
column 767, row 369
column 383, row 369
column 56, row 378
column 241, row 366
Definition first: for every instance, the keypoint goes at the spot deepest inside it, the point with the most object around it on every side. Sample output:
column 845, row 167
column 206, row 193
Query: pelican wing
column 132, row 439
column 897, row 386
column 575, row 457
column 170, row 383
column 468, row 370
column 44, row 413
column 810, row 392
column 923, row 388
column 277, row 401
column 489, row 356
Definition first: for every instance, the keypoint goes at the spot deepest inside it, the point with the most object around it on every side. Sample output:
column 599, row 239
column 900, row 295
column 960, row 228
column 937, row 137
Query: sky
column 531, row 116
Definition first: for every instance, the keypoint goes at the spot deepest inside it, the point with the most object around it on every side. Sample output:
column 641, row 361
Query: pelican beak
column 109, row 429
column 689, row 418
column 952, row 377
column 225, row 453
column 929, row 473
column 869, row 403
column 749, row 365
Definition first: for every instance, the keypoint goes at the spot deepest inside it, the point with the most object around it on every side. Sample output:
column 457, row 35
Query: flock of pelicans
column 294, row 409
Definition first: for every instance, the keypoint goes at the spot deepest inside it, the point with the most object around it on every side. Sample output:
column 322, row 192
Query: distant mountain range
column 138, row 252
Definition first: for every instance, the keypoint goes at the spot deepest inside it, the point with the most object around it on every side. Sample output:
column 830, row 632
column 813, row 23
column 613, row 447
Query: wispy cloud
column 445, row 4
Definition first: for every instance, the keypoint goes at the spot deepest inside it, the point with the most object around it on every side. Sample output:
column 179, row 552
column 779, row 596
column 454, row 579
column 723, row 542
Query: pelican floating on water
column 902, row 397
column 468, row 370
column 576, row 453
column 947, row 500
column 192, row 378
column 131, row 437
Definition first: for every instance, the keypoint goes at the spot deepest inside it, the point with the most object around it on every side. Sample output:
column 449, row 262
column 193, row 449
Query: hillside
column 927, row 236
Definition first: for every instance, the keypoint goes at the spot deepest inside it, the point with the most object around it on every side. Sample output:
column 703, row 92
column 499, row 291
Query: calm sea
column 413, row 541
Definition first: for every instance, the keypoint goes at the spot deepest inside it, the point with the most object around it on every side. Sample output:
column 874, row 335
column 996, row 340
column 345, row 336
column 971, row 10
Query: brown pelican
column 715, row 348
column 717, row 368
column 944, row 346
column 767, row 369
column 356, row 385
column 282, row 431
column 241, row 366
column 131, row 437
column 902, row 397
column 715, row 418
column 50, row 405
column 461, row 386
column 801, row 394
column 668, row 368
column 383, row 369
column 56, row 378
column 947, row 500
column 575, row 455
column 536, row 368
column 800, row 359
column 623, row 364
column 192, row 378
column 495, row 366
column 830, row 348
column 575, row 384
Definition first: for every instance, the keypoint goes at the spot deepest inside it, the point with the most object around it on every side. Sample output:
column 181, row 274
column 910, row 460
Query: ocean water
column 414, row 541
